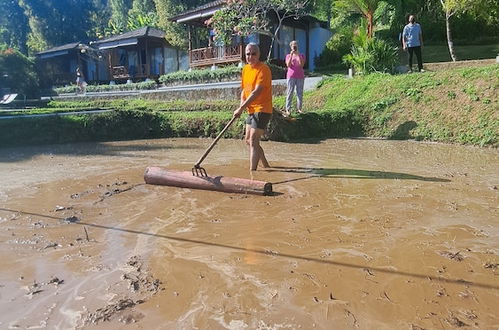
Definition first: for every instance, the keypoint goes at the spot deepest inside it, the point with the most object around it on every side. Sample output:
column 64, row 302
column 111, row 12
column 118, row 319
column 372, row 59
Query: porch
column 208, row 56
column 120, row 72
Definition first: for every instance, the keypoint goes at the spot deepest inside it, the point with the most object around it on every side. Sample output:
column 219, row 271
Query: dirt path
column 363, row 234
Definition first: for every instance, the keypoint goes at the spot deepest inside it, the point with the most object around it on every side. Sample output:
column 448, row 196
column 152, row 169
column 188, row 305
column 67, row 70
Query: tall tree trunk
column 370, row 24
column 450, row 43
column 274, row 37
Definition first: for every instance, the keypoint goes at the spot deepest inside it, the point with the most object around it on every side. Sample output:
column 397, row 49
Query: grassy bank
column 440, row 53
column 456, row 105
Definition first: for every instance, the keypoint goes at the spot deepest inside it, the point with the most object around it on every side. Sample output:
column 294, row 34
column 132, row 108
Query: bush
column 338, row 46
column 145, row 85
column 227, row 73
column 17, row 73
column 371, row 54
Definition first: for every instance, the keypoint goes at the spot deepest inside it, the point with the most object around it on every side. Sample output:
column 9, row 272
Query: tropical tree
column 54, row 23
column 176, row 34
column 14, row 26
column 370, row 54
column 487, row 9
column 143, row 13
column 366, row 8
column 14, row 65
column 99, row 18
column 119, row 15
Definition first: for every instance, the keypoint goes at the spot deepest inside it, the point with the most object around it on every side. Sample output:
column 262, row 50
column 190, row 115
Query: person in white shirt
column 412, row 41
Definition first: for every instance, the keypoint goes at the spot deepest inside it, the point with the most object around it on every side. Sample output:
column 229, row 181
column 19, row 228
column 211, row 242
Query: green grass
column 457, row 105
column 440, row 53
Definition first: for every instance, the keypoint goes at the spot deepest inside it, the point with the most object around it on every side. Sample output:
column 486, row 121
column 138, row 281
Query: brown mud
column 361, row 234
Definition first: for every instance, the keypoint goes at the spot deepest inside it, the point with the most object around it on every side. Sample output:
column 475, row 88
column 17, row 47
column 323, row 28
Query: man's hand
column 237, row 113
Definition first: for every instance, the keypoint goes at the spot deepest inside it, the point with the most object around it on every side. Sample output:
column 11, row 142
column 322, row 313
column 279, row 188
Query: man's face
column 252, row 55
column 412, row 19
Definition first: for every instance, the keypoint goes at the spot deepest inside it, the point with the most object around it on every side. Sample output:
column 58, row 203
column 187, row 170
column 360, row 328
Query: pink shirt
column 295, row 70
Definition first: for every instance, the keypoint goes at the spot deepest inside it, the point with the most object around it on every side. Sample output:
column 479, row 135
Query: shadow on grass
column 403, row 131
column 348, row 174
column 427, row 277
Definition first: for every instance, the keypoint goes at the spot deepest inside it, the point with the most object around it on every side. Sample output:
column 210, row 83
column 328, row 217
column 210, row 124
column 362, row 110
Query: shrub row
column 228, row 73
column 138, row 124
column 144, row 85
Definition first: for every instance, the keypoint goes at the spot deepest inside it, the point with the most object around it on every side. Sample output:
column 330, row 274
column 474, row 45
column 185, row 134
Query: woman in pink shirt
column 295, row 77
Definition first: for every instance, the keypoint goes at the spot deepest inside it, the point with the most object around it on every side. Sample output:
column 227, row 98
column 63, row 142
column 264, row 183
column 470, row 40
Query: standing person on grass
column 412, row 41
column 295, row 77
column 256, row 97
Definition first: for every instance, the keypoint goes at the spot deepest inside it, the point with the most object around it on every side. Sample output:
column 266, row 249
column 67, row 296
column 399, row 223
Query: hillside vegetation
column 454, row 106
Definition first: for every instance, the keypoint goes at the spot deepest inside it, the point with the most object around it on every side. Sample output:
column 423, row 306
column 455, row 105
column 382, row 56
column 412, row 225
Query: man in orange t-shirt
column 256, row 96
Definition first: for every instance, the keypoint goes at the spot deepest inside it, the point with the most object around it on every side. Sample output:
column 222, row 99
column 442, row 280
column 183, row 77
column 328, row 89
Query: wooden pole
column 161, row 176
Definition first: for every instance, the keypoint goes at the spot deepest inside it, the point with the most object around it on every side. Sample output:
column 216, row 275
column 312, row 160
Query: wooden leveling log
column 161, row 176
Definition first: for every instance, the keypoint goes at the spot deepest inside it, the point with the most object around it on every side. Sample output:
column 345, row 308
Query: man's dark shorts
column 259, row 120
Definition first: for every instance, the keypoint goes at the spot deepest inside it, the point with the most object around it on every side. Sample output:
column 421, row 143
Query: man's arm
column 245, row 102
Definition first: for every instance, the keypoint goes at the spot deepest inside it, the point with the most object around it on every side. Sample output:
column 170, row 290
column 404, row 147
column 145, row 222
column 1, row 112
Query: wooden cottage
column 57, row 65
column 136, row 55
column 140, row 54
column 311, row 34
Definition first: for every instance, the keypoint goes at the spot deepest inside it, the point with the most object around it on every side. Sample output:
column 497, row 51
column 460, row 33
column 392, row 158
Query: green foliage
column 141, row 20
column 14, row 26
column 421, row 106
column 366, row 8
column 119, row 13
column 55, row 23
column 371, row 55
column 255, row 16
column 176, row 34
column 337, row 46
column 338, row 108
column 115, row 125
column 145, row 85
column 17, row 72
column 227, row 73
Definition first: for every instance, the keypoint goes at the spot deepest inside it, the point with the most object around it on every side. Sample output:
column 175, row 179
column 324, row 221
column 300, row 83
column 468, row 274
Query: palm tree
column 364, row 7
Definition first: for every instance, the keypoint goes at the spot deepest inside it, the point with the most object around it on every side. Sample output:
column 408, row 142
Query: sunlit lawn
column 440, row 53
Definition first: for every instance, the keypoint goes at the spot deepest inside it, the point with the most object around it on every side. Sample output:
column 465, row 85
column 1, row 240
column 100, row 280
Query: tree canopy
column 34, row 25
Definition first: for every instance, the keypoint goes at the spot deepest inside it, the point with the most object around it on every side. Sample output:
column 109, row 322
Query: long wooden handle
column 198, row 163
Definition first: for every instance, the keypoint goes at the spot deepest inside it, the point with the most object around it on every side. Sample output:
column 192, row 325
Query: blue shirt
column 411, row 35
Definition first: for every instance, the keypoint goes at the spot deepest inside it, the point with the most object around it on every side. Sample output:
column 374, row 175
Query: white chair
column 7, row 98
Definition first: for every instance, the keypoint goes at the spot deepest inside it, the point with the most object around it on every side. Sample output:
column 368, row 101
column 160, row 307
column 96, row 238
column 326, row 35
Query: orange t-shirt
column 259, row 75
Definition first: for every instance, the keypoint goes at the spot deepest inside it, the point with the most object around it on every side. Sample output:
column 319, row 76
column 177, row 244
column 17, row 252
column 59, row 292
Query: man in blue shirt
column 412, row 41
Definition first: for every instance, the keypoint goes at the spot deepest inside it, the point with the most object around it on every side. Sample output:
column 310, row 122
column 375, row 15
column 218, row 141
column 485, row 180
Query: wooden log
column 161, row 176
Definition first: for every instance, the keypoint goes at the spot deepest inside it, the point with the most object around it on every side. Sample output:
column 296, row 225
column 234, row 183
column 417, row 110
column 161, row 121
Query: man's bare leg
column 250, row 134
column 256, row 151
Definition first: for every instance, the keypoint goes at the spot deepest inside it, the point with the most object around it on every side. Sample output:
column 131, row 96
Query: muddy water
column 361, row 234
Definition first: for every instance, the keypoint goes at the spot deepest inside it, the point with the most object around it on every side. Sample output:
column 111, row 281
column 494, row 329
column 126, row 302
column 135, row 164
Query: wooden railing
column 124, row 72
column 119, row 72
column 215, row 55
